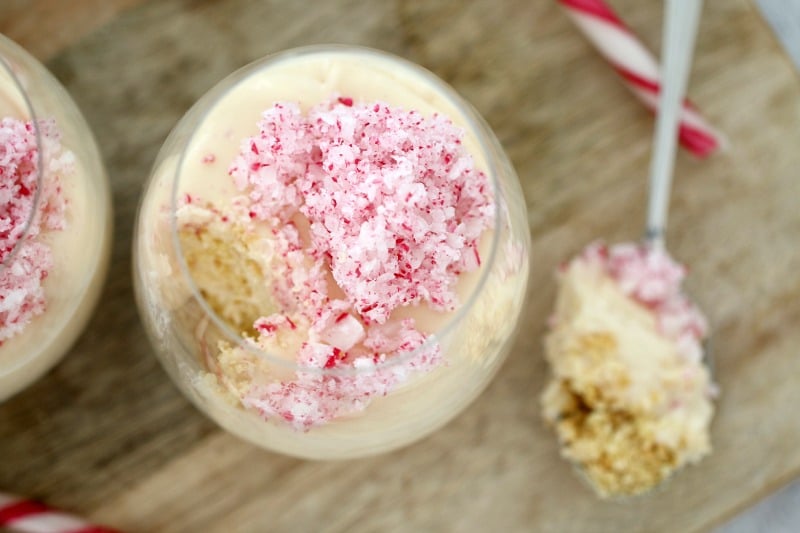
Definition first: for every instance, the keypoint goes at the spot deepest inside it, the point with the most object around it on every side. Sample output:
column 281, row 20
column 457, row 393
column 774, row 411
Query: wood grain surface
column 106, row 434
column 45, row 27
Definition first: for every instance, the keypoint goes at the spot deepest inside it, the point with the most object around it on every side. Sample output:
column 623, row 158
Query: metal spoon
column 681, row 19
column 680, row 28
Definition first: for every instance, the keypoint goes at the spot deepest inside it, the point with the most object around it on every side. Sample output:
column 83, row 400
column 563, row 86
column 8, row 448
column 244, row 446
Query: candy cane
column 28, row 516
column 638, row 68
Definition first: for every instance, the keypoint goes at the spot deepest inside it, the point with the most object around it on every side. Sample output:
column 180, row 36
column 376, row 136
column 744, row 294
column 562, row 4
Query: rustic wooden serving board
column 107, row 435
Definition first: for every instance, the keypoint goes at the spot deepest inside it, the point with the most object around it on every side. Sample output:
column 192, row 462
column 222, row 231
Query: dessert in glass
column 331, row 253
column 55, row 220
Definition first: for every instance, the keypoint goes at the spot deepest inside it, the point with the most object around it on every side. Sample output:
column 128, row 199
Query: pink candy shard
column 652, row 278
column 21, row 294
column 336, row 326
column 394, row 202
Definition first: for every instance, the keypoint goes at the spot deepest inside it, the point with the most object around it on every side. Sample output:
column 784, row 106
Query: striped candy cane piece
column 638, row 68
column 27, row 516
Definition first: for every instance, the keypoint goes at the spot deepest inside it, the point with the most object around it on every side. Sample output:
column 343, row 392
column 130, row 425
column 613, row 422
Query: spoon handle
column 680, row 28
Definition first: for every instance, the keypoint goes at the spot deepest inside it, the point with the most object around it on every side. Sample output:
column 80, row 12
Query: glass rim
column 474, row 124
column 8, row 260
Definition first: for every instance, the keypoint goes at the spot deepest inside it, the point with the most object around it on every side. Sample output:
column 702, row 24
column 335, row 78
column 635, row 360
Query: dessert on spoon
column 630, row 396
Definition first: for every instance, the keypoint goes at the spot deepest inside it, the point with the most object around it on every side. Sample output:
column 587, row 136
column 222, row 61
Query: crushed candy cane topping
column 371, row 208
column 24, row 261
column 652, row 278
column 394, row 202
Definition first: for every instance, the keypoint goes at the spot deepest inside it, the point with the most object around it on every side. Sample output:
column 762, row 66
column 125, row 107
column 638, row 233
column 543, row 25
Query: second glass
column 55, row 220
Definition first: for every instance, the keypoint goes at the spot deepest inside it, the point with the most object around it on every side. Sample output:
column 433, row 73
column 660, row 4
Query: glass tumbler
column 55, row 220
column 211, row 273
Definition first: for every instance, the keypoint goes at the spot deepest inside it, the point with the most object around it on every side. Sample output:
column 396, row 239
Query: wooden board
column 106, row 434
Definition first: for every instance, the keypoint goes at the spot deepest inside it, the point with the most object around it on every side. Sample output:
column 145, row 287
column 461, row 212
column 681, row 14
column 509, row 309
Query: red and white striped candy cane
column 638, row 68
column 28, row 516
